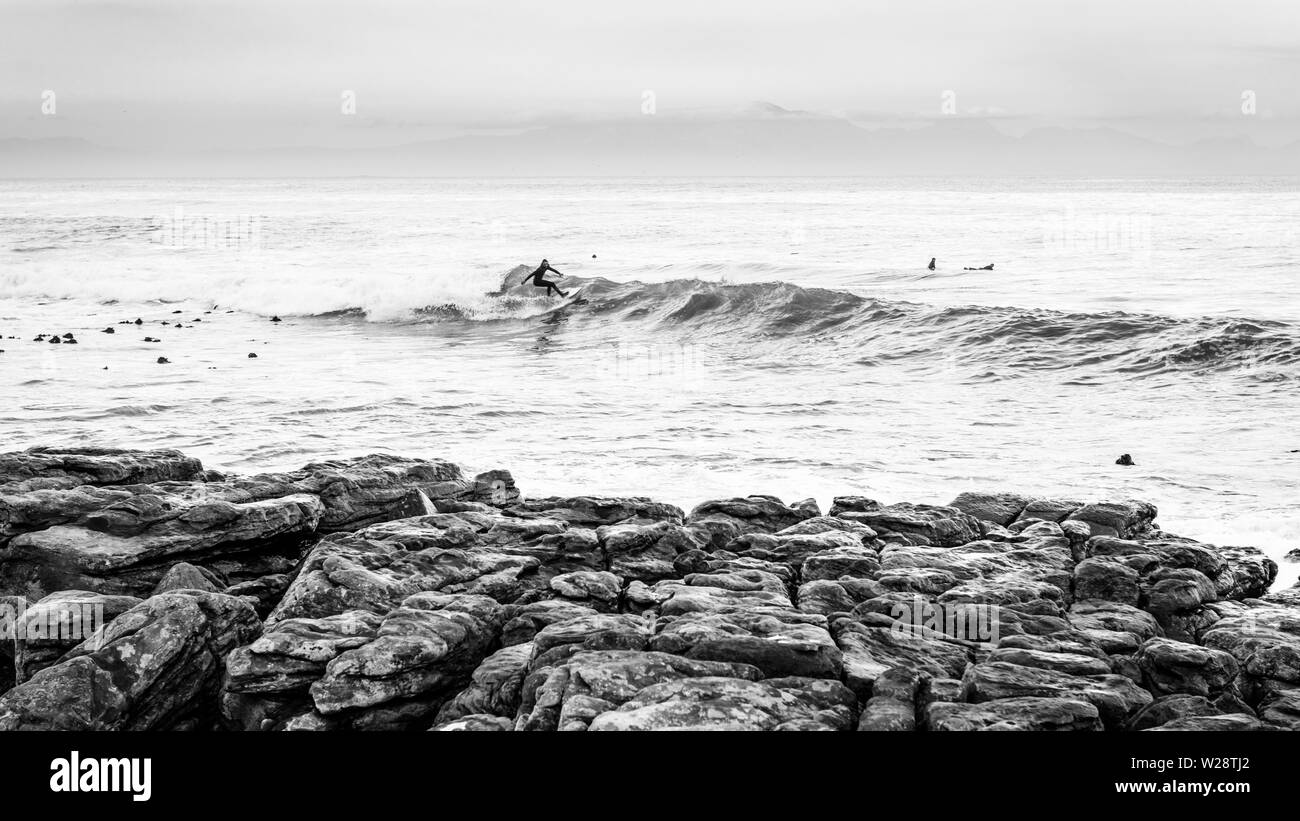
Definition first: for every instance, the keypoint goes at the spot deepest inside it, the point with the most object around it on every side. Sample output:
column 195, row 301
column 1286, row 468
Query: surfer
column 931, row 263
column 536, row 279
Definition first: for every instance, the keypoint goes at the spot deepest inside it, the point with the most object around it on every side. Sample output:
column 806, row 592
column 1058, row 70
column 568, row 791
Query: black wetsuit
column 536, row 279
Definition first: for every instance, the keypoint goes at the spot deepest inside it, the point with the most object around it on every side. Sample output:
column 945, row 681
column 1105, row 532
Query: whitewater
column 778, row 336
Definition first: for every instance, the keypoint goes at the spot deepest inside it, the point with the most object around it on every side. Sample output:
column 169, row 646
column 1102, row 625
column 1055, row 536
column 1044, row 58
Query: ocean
column 740, row 336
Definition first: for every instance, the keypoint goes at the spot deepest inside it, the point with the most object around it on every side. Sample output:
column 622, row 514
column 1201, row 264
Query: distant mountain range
column 763, row 140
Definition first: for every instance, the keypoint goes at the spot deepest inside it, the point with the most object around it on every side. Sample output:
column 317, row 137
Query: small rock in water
column 70, row 342
column 252, row 356
column 108, row 331
column 177, row 325
column 54, row 340
column 162, row 360
column 67, row 336
column 176, row 312
column 276, row 319
column 1124, row 460
column 139, row 321
column 151, row 339
column 1292, row 555
column 39, row 338
column 196, row 319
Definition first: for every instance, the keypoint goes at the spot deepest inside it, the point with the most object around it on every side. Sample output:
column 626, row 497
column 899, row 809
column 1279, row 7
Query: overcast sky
column 272, row 71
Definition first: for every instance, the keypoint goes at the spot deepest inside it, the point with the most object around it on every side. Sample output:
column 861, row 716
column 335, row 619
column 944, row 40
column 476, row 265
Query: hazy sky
column 272, row 71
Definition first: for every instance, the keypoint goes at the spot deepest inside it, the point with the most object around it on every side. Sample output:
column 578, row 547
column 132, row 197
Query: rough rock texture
column 59, row 468
column 57, row 623
column 155, row 667
column 399, row 594
column 116, row 521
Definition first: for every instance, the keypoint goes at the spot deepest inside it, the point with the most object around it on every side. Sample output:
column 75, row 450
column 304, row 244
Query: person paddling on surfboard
column 536, row 279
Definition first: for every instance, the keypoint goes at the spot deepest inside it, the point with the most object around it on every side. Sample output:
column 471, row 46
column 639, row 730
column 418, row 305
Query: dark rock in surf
column 1125, row 460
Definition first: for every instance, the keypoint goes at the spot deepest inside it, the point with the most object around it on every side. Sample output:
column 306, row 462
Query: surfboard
column 574, row 298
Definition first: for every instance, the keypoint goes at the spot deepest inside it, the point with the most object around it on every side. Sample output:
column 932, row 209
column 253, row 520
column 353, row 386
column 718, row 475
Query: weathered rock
column 378, row 567
column 999, row 508
column 779, row 644
column 868, row 652
column 266, row 682
column 1115, row 697
column 1021, row 713
column 1048, row 510
column 794, row 550
column 155, row 667
column 647, row 551
column 45, row 468
column 1281, row 709
column 599, row 590
column 1218, row 724
column 1122, row 519
column 128, row 546
column 263, row 592
column 1170, row 708
column 840, row 563
column 524, row 621
column 1170, row 667
column 825, row 524
column 1248, row 574
column 1265, row 641
column 122, row 538
column 1069, row 663
column 599, row 631
column 725, row 519
column 476, row 723
column 571, row 694
column 185, row 576
column 59, row 622
column 715, row 703
column 825, row 597
column 595, row 511
column 892, row 706
column 1116, row 627
column 919, row 524
column 1106, row 579
column 426, row 650
column 495, row 686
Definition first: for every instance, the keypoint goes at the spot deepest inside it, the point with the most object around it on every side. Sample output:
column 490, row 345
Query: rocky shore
column 398, row 594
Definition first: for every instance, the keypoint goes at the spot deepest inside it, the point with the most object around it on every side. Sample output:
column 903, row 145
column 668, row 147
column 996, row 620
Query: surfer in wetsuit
column 536, row 279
